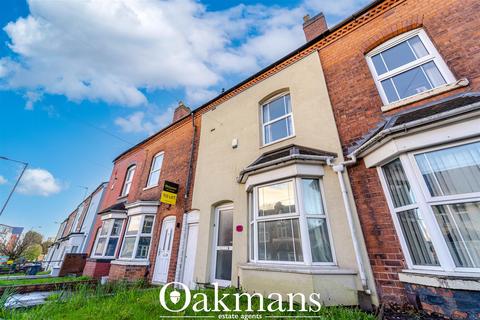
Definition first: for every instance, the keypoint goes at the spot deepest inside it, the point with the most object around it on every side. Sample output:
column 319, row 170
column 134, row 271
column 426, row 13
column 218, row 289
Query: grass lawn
column 134, row 303
column 5, row 283
column 23, row 274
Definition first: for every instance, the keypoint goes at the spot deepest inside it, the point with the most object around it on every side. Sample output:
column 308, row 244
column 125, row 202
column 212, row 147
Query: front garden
column 33, row 281
column 126, row 302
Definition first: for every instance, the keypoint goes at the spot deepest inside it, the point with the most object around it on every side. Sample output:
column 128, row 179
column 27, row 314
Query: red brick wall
column 126, row 273
column 453, row 28
column 96, row 268
column 73, row 263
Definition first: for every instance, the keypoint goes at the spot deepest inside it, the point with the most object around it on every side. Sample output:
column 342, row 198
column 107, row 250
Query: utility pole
column 24, row 164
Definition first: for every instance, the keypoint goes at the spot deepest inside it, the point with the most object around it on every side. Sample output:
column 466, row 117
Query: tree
column 45, row 245
column 32, row 252
column 34, row 237
column 16, row 249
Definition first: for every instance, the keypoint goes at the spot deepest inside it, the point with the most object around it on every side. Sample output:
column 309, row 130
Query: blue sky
column 81, row 81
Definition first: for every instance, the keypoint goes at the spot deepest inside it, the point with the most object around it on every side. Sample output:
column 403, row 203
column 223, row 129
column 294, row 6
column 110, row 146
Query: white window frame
column 107, row 239
column 288, row 115
column 77, row 217
column 137, row 238
column 424, row 202
column 127, row 184
column 151, row 184
column 433, row 55
column 302, row 220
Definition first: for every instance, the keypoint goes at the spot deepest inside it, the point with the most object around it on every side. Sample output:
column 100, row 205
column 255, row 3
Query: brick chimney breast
column 315, row 26
column 180, row 111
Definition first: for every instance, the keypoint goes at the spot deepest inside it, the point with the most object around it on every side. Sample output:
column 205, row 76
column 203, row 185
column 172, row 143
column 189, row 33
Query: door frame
column 221, row 283
column 166, row 219
column 192, row 219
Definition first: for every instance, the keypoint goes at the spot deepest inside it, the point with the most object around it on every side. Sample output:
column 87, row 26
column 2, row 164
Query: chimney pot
column 315, row 26
column 181, row 111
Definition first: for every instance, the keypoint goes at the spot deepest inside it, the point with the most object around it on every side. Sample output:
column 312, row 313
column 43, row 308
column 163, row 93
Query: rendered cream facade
column 219, row 165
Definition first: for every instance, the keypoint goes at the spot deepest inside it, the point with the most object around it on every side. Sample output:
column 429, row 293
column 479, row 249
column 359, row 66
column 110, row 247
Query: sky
column 83, row 80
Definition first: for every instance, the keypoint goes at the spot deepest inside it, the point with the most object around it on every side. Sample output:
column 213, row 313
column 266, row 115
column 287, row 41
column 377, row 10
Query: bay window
column 107, row 238
column 138, row 235
column 407, row 65
column 435, row 198
column 288, row 223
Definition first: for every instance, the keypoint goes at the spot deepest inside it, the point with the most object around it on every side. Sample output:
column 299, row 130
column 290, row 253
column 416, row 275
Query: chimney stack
column 180, row 111
column 313, row 27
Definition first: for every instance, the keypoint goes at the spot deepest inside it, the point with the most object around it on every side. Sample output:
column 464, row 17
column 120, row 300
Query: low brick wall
column 73, row 263
column 120, row 272
column 47, row 286
column 96, row 268
column 454, row 304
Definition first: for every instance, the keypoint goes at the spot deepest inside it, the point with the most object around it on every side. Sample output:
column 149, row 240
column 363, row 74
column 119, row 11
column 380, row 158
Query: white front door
column 190, row 251
column 164, row 251
column 222, row 246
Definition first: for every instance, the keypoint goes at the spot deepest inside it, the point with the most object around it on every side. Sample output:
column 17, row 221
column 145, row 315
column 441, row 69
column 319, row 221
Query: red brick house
column 132, row 221
column 404, row 83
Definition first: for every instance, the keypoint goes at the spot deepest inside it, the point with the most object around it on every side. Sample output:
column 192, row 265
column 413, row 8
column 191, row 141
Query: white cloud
column 3, row 180
column 337, row 8
column 32, row 97
column 38, row 182
column 115, row 50
column 137, row 122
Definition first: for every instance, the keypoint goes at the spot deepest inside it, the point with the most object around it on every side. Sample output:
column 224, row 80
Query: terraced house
column 137, row 236
column 403, row 79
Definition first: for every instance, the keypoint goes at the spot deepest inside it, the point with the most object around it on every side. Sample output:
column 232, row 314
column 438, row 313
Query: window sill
column 441, row 279
column 276, row 141
column 426, row 94
column 313, row 270
column 151, row 187
column 121, row 198
column 132, row 262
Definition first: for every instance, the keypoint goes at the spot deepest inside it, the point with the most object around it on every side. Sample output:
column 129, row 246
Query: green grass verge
column 5, row 283
column 135, row 303
column 23, row 274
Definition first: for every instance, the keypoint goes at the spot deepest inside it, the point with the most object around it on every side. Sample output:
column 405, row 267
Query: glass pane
column 117, row 227
column 100, row 247
column 106, row 227
column 279, row 240
column 133, row 225
column 275, row 109
column 157, row 163
column 142, row 250
column 276, row 199
column 312, row 198
column 278, row 130
column 433, row 74
column 127, row 248
column 418, row 47
column 398, row 185
column 390, row 90
column 451, row 171
column 411, row 82
column 153, row 178
column 319, row 241
column 225, row 228
column 223, row 269
column 460, row 224
column 147, row 224
column 379, row 65
column 418, row 240
column 130, row 174
column 112, row 245
column 398, row 56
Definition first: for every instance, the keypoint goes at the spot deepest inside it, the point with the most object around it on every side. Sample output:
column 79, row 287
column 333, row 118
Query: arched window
column 277, row 119
column 155, row 169
column 407, row 65
column 128, row 180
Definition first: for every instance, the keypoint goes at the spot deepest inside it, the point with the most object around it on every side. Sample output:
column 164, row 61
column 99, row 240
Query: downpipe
column 339, row 169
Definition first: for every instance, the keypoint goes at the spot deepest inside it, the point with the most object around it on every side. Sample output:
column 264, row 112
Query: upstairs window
column 128, row 180
column 407, row 65
column 277, row 122
column 155, row 170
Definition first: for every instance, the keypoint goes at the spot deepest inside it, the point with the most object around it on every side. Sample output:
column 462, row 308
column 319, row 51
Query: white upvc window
column 288, row 224
column 277, row 119
column 434, row 196
column 138, row 235
column 407, row 65
column 107, row 238
column 155, row 170
column 128, row 180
